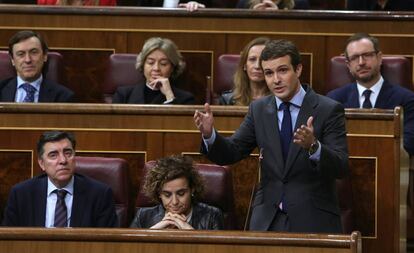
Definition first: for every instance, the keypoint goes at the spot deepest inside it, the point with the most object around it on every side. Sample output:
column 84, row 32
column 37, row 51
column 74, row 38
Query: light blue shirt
column 21, row 93
column 296, row 103
column 51, row 202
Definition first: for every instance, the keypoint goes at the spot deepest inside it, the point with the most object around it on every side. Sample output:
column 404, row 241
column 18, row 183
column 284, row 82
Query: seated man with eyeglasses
column 370, row 90
column 59, row 197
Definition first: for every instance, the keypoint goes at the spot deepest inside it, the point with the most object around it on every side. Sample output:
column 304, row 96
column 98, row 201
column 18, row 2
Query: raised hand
column 304, row 135
column 204, row 121
column 163, row 84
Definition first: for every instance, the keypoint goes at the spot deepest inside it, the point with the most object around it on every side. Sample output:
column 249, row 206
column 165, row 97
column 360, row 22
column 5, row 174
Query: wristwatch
column 314, row 147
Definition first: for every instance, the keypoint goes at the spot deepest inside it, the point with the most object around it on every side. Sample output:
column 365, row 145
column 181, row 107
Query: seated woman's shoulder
column 226, row 98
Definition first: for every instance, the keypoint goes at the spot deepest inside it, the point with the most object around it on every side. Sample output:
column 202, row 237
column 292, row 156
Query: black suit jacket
column 389, row 97
column 134, row 94
column 93, row 204
column 49, row 91
column 203, row 217
column 309, row 188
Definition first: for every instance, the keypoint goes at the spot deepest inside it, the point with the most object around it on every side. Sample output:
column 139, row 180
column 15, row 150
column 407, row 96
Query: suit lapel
column 353, row 98
column 79, row 200
column 383, row 96
column 306, row 110
column 46, row 92
column 272, row 131
column 9, row 91
column 39, row 199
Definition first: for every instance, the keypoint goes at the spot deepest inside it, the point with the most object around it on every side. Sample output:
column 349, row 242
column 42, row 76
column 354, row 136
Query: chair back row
column 121, row 71
column 395, row 69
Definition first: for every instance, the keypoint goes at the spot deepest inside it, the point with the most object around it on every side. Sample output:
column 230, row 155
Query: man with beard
column 370, row 90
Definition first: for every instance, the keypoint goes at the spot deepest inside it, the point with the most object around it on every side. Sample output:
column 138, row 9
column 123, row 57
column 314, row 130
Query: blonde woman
column 249, row 83
column 161, row 64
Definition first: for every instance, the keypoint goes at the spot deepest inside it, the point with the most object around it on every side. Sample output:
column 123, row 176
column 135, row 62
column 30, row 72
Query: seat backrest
column 225, row 68
column 52, row 70
column 114, row 173
column 395, row 69
column 120, row 72
column 218, row 190
column 346, row 208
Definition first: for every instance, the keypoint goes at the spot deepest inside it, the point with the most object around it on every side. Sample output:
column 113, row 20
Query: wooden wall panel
column 142, row 133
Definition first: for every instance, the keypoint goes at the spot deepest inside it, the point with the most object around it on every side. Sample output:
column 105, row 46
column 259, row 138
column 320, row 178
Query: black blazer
column 203, row 217
column 49, row 91
column 389, row 97
column 134, row 94
column 309, row 188
column 93, row 204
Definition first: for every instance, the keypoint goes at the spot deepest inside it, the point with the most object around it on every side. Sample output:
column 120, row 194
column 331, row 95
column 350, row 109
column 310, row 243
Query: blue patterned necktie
column 286, row 129
column 30, row 92
column 61, row 212
column 367, row 101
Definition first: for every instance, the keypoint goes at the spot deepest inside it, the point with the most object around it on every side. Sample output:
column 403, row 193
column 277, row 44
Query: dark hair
column 278, row 48
column 171, row 168
column 24, row 35
column 360, row 36
column 52, row 136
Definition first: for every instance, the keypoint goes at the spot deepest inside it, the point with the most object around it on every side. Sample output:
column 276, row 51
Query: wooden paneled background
column 86, row 37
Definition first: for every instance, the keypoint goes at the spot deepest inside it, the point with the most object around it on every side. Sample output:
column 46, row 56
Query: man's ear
column 298, row 70
column 41, row 164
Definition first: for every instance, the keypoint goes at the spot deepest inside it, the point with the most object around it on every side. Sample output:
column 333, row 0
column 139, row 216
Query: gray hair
column 168, row 47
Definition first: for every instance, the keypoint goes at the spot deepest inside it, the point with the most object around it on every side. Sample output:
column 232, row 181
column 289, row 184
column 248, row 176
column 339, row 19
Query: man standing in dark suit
column 28, row 53
column 302, row 141
column 60, row 197
column 364, row 59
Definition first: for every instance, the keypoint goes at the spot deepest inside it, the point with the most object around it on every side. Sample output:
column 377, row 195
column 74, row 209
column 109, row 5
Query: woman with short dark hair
column 177, row 187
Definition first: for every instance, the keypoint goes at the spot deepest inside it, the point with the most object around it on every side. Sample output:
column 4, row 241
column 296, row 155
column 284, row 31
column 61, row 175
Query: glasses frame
column 365, row 56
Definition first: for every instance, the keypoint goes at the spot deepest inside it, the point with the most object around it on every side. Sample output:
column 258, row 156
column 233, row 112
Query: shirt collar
column 297, row 99
column 36, row 84
column 51, row 187
column 375, row 88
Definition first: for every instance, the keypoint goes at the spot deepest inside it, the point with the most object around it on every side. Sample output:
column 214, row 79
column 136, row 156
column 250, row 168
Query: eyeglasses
column 365, row 56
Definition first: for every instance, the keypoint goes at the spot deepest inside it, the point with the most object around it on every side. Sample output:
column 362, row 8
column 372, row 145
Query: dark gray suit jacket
column 93, row 204
column 309, row 188
column 204, row 217
column 49, row 91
